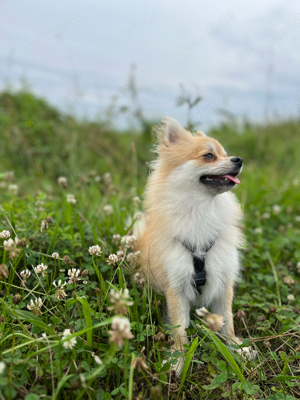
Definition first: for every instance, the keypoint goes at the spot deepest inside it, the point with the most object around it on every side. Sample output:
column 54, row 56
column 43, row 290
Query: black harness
column 199, row 265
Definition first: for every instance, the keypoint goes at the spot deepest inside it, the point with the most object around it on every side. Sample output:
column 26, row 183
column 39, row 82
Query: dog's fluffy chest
column 200, row 226
column 201, row 223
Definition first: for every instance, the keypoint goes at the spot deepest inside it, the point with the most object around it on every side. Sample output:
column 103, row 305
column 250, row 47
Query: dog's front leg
column 223, row 306
column 178, row 308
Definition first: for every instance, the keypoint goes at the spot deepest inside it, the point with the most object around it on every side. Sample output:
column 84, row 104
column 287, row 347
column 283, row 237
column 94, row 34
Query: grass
column 108, row 168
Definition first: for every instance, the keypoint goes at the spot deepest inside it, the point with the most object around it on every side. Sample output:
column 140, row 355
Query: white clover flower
column 59, row 284
column 60, row 294
column 62, row 181
column 265, row 215
column 8, row 244
column 85, row 282
column 35, row 306
column 132, row 191
column 108, row 209
column 107, row 178
column 112, row 259
column 136, row 201
column 258, row 230
column 40, row 269
column 10, row 247
column 291, row 297
column 71, row 199
column 55, row 256
column 13, row 188
column 116, row 238
column 95, row 250
column 44, row 225
column 297, row 218
column 137, row 276
column 2, row 367
column 120, row 301
column 66, row 333
column 120, row 330
column 44, row 336
column 276, row 209
column 298, row 266
column 69, row 344
column 25, row 274
column 120, row 255
column 9, row 175
column 139, row 279
column 121, row 323
column 288, row 280
column 4, row 234
column 97, row 178
column 128, row 241
column 133, row 258
column 73, row 274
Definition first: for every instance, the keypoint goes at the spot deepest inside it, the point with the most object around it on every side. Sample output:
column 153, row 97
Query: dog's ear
column 171, row 131
column 199, row 133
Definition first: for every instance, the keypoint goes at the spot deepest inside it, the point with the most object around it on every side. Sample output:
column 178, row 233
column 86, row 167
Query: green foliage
column 40, row 144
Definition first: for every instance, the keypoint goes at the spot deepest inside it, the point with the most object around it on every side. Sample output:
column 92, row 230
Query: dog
column 190, row 239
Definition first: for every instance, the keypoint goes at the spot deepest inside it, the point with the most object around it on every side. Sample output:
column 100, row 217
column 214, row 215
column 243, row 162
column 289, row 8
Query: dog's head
column 195, row 159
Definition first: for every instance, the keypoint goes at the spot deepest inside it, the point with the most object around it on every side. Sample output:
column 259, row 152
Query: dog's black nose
column 237, row 160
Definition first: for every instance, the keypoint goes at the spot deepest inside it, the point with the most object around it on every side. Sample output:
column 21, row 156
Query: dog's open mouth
column 228, row 179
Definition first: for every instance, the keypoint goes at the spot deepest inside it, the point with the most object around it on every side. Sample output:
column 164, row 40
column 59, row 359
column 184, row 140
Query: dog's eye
column 209, row 156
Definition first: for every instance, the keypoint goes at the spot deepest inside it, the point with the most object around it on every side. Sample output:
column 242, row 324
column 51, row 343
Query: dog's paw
column 247, row 352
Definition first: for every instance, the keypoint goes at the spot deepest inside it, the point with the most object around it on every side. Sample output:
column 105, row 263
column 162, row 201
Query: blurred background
column 75, row 76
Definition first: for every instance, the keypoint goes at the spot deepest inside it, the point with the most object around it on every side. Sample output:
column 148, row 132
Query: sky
column 242, row 57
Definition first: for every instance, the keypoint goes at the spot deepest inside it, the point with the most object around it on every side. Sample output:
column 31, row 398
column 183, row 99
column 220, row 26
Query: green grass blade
column 130, row 385
column 280, row 378
column 60, row 385
column 227, row 355
column 57, row 343
column 88, row 319
column 29, row 317
column 187, row 362
column 80, row 228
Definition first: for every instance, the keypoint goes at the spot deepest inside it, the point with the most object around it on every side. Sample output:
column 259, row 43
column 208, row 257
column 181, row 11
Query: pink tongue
column 232, row 178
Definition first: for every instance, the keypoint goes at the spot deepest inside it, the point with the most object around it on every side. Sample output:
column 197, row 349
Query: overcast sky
column 241, row 56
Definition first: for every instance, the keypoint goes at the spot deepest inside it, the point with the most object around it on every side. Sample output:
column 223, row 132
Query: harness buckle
column 200, row 279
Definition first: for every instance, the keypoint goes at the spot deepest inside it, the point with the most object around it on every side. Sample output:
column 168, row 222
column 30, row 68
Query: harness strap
column 199, row 265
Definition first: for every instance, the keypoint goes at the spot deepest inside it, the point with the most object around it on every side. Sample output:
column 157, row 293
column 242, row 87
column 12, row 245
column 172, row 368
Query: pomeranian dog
column 190, row 237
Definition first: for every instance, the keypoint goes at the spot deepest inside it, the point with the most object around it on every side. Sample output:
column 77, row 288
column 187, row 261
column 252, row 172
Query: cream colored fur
column 179, row 208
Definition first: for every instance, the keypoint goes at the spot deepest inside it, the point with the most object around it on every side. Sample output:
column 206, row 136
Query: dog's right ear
column 171, row 131
column 199, row 133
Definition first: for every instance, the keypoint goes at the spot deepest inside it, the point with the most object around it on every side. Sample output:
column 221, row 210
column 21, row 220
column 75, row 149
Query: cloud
column 90, row 50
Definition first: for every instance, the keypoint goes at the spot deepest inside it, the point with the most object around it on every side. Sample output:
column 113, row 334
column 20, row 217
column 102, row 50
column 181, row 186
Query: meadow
column 76, row 322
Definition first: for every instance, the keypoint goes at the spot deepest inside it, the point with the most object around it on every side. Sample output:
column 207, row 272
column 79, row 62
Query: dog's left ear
column 199, row 133
column 172, row 130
